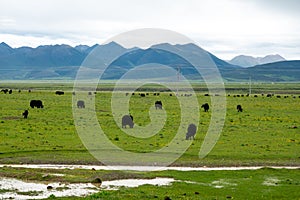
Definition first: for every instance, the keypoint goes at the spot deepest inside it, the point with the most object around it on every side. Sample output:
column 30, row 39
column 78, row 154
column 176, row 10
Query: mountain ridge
column 63, row 61
column 250, row 61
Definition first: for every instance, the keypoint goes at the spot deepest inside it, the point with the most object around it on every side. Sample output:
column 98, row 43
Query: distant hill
column 249, row 61
column 42, row 56
column 63, row 61
column 162, row 54
column 271, row 72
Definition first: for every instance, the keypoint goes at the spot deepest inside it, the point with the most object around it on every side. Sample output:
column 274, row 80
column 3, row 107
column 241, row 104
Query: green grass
column 261, row 135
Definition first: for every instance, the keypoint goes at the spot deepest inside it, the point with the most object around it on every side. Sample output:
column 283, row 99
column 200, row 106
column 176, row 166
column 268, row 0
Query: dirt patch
column 11, row 118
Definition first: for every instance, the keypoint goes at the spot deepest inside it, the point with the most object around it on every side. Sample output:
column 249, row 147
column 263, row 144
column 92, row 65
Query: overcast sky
column 224, row 27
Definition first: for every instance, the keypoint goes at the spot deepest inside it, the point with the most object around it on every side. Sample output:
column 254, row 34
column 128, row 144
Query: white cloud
column 227, row 27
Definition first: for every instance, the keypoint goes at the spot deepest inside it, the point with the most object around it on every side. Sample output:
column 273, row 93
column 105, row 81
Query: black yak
column 191, row 131
column 127, row 120
column 36, row 103
column 59, row 93
column 158, row 104
column 80, row 104
column 205, row 107
column 4, row 91
column 239, row 108
column 25, row 114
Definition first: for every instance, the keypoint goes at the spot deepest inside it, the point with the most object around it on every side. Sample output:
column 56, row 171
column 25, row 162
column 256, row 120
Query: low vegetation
column 265, row 133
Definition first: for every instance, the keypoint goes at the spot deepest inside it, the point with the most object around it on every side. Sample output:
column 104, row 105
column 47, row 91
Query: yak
column 239, row 108
column 158, row 105
column 191, row 131
column 205, row 107
column 127, row 120
column 59, row 93
column 36, row 103
column 4, row 91
column 25, row 114
column 80, row 104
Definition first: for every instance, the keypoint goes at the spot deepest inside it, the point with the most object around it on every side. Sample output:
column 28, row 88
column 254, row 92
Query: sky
column 226, row 28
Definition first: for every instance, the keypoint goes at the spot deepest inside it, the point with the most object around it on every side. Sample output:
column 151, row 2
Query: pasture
column 266, row 133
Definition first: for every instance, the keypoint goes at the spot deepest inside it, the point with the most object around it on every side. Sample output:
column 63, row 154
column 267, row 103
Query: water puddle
column 271, row 181
column 136, row 182
column 16, row 189
column 222, row 183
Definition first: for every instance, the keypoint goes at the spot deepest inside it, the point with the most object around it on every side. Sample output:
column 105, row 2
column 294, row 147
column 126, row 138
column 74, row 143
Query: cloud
column 220, row 26
column 290, row 7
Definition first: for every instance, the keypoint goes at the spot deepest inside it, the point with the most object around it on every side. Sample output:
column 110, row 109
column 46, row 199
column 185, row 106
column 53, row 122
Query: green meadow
column 266, row 133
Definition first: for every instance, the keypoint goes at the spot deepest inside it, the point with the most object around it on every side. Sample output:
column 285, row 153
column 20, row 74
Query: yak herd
column 127, row 120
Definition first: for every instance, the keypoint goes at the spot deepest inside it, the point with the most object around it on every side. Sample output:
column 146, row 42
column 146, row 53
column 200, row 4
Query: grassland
column 265, row 133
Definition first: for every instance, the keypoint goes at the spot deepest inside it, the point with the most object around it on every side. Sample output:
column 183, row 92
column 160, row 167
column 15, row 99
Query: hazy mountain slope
column 249, row 61
column 63, row 61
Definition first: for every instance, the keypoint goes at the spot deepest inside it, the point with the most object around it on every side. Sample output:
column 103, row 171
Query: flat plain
column 266, row 133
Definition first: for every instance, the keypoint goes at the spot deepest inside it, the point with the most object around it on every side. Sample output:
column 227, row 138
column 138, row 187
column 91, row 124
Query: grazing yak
column 25, row 114
column 4, row 91
column 59, row 93
column 127, row 120
column 36, row 103
column 158, row 105
column 191, row 131
column 80, row 104
column 239, row 108
column 142, row 95
column 205, row 107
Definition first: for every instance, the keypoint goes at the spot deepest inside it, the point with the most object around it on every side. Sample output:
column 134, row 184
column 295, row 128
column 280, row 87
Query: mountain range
column 249, row 61
column 63, row 61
